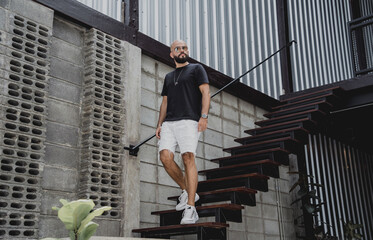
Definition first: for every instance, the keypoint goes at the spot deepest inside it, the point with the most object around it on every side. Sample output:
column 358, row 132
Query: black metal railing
column 361, row 34
column 134, row 149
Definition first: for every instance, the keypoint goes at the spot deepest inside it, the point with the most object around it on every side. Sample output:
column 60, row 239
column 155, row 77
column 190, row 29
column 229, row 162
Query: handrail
column 133, row 150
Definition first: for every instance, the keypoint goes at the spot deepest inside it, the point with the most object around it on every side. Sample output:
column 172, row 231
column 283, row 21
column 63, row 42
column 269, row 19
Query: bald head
column 177, row 42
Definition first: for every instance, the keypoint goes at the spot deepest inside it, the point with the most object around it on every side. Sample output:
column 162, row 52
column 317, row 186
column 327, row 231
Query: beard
column 183, row 59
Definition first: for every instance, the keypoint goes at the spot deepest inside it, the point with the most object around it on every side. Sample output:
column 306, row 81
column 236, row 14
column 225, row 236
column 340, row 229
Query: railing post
column 283, row 36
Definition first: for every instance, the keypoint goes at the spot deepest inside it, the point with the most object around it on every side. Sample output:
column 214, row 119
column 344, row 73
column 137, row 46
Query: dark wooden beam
column 89, row 17
column 283, row 36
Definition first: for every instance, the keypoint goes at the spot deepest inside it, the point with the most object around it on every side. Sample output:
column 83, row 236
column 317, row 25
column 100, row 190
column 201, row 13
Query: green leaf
column 88, row 230
column 358, row 236
column 356, row 226
column 56, row 208
column 64, row 202
column 72, row 235
column 95, row 213
column 72, row 213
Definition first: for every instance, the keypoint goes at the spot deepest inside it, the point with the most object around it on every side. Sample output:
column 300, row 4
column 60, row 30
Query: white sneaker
column 183, row 200
column 190, row 215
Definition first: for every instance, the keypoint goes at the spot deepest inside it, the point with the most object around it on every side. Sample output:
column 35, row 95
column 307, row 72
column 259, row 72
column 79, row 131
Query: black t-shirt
column 184, row 99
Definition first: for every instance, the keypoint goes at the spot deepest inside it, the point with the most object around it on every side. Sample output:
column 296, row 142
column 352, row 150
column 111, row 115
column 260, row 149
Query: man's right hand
column 158, row 132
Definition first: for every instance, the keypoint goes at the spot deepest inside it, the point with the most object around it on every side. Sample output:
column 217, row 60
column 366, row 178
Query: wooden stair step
column 313, row 113
column 239, row 195
column 266, row 167
column 320, row 105
column 206, row 230
column 222, row 213
column 337, row 90
column 297, row 133
column 328, row 96
column 250, row 180
column 287, row 143
column 306, row 123
column 275, row 154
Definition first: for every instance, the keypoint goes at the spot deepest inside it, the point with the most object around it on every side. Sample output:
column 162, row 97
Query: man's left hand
column 202, row 124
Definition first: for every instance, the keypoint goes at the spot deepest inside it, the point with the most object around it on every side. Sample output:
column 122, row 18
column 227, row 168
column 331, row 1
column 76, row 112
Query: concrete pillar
column 131, row 165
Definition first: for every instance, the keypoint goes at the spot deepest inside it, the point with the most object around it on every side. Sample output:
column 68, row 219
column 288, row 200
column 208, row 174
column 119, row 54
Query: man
column 182, row 117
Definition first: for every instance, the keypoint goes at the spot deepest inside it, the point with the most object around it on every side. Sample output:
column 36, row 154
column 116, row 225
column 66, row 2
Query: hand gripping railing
column 133, row 150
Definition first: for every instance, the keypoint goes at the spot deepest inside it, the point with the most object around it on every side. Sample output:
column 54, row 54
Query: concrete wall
column 228, row 118
column 71, row 98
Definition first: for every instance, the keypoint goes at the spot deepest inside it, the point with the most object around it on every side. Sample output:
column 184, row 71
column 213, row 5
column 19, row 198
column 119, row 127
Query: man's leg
column 191, row 176
column 167, row 159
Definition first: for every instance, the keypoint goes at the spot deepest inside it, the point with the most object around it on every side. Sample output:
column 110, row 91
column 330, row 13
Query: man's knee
column 166, row 156
column 188, row 157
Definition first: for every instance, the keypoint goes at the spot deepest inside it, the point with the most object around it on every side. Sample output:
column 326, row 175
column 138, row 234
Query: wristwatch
column 205, row 116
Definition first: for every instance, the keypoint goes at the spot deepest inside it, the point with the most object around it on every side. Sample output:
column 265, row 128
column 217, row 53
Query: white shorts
column 183, row 133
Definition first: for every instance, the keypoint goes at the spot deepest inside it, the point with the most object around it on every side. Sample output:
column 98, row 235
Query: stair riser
column 255, row 148
column 332, row 99
column 251, row 140
column 324, row 107
column 265, row 169
column 300, row 135
column 288, row 145
column 336, row 91
column 210, row 234
column 279, row 157
column 308, row 125
column 253, row 183
column 316, row 116
column 247, row 199
column 221, row 215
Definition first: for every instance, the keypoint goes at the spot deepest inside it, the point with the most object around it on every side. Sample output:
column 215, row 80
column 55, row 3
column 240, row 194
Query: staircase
column 247, row 170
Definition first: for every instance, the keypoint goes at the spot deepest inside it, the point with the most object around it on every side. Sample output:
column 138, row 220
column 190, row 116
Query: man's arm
column 205, row 90
column 162, row 116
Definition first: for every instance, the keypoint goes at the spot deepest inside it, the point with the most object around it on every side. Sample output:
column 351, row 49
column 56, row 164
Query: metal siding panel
column 369, row 184
column 329, row 173
column 320, row 27
column 358, row 196
column 323, row 180
column 346, row 173
column 338, row 171
column 112, row 8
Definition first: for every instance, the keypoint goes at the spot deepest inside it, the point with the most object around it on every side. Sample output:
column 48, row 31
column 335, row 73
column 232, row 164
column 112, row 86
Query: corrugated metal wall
column 346, row 175
column 323, row 52
column 112, row 8
column 230, row 36
column 366, row 7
